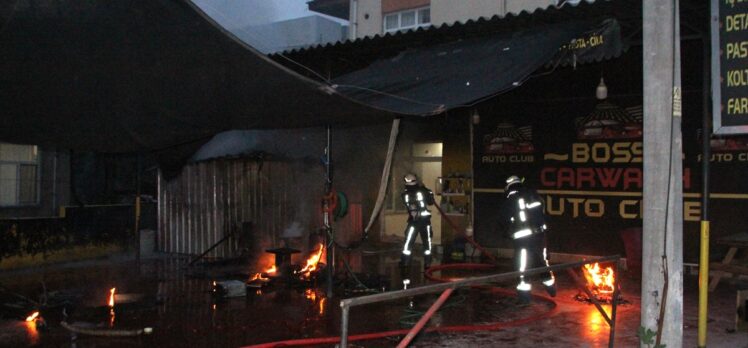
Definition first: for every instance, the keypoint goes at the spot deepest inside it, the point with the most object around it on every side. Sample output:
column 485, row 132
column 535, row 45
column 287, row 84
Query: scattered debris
column 92, row 330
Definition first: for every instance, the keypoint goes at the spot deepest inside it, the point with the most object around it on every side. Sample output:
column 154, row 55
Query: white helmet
column 511, row 181
column 410, row 179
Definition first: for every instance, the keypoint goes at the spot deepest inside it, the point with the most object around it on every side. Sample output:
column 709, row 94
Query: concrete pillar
column 662, row 249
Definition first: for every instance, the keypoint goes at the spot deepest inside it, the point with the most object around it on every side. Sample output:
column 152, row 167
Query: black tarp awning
column 159, row 76
column 432, row 79
column 136, row 76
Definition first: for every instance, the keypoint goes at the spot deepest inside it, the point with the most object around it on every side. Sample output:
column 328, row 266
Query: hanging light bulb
column 602, row 90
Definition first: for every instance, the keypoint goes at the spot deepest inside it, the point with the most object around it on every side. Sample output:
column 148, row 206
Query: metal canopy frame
column 346, row 304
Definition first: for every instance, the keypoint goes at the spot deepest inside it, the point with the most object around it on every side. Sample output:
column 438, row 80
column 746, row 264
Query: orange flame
column 111, row 296
column 310, row 295
column 322, row 306
column 600, row 280
column 313, row 261
column 259, row 276
column 33, row 316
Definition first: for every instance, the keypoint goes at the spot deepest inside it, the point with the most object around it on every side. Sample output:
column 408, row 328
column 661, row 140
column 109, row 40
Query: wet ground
column 177, row 304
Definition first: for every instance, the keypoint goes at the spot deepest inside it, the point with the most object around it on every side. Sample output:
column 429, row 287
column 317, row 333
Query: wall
column 211, row 199
column 54, row 186
column 457, row 160
column 442, row 11
column 368, row 18
column 389, row 6
column 286, row 188
column 591, row 200
column 517, row 6
column 445, row 11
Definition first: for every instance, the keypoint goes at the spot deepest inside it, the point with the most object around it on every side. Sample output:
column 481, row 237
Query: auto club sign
column 730, row 66
column 588, row 171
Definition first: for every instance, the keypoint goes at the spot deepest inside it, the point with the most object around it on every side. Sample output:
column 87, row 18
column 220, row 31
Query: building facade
column 378, row 17
column 34, row 181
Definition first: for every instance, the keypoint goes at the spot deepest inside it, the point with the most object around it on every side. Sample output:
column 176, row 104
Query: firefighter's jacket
column 417, row 198
column 522, row 212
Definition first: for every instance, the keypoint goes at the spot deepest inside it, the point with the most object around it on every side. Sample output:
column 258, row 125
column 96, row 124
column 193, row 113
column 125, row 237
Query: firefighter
column 523, row 213
column 416, row 198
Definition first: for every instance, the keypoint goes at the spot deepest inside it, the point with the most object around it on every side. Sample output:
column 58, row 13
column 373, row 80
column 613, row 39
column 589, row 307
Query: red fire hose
column 429, row 275
column 456, row 328
column 468, row 238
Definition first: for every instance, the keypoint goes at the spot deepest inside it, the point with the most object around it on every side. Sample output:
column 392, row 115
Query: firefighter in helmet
column 416, row 198
column 523, row 213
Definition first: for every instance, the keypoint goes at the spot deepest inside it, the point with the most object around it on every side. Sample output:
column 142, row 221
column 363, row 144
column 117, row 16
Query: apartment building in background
column 34, row 181
column 377, row 17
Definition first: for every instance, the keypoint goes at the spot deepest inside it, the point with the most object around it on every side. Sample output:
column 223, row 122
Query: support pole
column 330, row 236
column 344, row 326
column 137, row 207
column 706, row 155
column 614, row 305
column 662, row 249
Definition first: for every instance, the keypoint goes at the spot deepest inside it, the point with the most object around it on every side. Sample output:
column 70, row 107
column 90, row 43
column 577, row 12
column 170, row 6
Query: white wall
column 448, row 11
column 517, row 6
column 444, row 11
column 368, row 17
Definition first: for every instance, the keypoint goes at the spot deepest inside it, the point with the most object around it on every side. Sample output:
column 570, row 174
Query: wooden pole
column 662, row 249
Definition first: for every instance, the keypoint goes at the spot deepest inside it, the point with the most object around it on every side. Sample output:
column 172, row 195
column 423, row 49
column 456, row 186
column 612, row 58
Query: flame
column 259, row 276
column 33, row 316
column 313, row 261
column 310, row 295
column 111, row 296
column 600, row 280
column 32, row 333
column 111, row 317
column 322, row 306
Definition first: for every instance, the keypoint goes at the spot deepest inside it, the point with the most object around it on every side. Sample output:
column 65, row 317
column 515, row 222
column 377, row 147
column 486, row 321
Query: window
column 19, row 175
column 408, row 19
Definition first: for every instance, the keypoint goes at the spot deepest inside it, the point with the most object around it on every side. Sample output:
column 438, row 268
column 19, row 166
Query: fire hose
column 464, row 234
column 454, row 328
column 429, row 275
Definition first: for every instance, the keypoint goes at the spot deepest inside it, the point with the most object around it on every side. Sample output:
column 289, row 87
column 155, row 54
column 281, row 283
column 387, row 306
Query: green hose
column 341, row 210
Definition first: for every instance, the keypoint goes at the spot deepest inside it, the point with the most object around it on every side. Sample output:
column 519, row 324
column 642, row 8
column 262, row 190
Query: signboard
column 585, row 159
column 730, row 66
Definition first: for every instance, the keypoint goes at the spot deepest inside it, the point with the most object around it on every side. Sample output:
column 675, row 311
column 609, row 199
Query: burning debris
column 282, row 271
column 285, row 270
column 111, row 297
column 312, row 263
column 33, row 316
column 601, row 283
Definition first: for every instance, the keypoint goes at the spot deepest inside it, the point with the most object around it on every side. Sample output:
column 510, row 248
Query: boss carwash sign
column 730, row 66
column 585, row 160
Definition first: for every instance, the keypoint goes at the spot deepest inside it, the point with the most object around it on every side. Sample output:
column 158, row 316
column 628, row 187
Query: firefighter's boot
column 426, row 262
column 524, row 297
column 551, row 290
